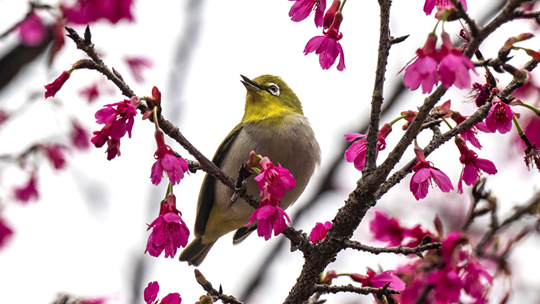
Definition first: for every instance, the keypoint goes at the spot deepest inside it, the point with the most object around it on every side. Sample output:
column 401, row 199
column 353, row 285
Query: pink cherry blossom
column 451, row 247
column 468, row 134
column 89, row 11
column 377, row 280
column 447, row 284
column 424, row 174
column 320, row 231
column 473, row 166
column 454, row 67
column 27, row 192
column 357, row 151
column 476, row 279
column 270, row 217
column 150, row 292
column 169, row 232
column 414, row 236
column 90, row 93
column 31, row 30
column 55, row 86
column 137, row 65
column 327, row 46
column 302, row 8
column 118, row 119
column 386, row 229
column 480, row 93
column 429, row 5
column 330, row 13
column 423, row 71
column 5, row 233
column 167, row 162
column 277, row 179
column 172, row 298
column 55, row 154
column 80, row 137
column 499, row 118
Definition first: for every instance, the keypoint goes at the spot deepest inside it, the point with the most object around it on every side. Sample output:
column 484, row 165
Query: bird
column 274, row 126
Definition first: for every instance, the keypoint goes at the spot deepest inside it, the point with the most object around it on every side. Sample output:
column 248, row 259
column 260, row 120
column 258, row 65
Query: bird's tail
column 242, row 233
column 195, row 252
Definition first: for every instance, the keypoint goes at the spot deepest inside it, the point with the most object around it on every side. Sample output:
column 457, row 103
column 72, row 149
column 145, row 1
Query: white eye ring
column 273, row 89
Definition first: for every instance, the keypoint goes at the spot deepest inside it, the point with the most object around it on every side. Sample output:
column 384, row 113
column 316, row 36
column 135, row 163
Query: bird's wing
column 206, row 196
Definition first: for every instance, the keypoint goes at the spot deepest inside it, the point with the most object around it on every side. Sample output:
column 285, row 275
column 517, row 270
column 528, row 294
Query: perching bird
column 274, row 126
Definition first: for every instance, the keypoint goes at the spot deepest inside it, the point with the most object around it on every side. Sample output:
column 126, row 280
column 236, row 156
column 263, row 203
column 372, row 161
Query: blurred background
column 86, row 235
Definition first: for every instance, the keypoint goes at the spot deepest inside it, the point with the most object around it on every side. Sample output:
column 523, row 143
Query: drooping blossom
column 150, row 292
column 137, row 65
column 28, row 191
column 5, row 233
column 270, row 217
column 276, row 180
column 327, row 46
column 447, row 284
column 166, row 162
column 302, row 8
column 320, row 231
column 55, row 86
column 480, row 93
column 169, row 232
column 473, row 165
column 468, row 134
column 88, row 11
column 499, row 118
column 79, row 136
column 390, row 231
column 90, row 93
column 424, row 174
column 377, row 280
column 454, row 67
column 476, row 279
column 423, row 71
column 55, row 154
column 31, row 30
column 429, row 5
column 328, row 277
column 172, row 298
column 330, row 13
column 451, row 248
column 154, row 101
column 356, row 153
column 118, row 119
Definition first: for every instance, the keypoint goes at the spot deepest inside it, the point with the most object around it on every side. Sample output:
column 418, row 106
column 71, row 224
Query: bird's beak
column 250, row 84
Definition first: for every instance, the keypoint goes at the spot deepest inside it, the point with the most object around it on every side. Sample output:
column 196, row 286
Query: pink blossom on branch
column 172, row 298
column 270, row 217
column 499, row 118
column 378, row 280
column 473, row 165
column 357, row 151
column 327, row 46
column 169, row 232
column 276, row 180
column 423, row 71
column 167, row 162
column 468, row 134
column 55, row 86
column 386, row 229
column 302, row 8
column 429, row 5
column 424, row 174
column 150, row 292
column 454, row 67
column 320, row 231
column 447, row 284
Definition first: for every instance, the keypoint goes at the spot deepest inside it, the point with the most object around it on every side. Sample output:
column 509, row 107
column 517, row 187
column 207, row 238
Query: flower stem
column 447, row 123
column 397, row 119
column 528, row 106
column 342, row 5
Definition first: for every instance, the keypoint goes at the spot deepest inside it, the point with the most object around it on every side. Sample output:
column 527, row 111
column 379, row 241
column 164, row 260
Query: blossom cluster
column 151, row 292
column 451, row 270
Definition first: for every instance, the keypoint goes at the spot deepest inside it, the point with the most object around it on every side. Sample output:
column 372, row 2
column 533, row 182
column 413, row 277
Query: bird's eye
column 273, row 89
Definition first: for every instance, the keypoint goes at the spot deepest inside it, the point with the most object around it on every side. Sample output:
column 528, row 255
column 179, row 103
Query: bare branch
column 397, row 250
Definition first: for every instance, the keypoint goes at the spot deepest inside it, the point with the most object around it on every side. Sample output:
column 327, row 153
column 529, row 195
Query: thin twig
column 397, row 250
column 354, row 289
column 207, row 286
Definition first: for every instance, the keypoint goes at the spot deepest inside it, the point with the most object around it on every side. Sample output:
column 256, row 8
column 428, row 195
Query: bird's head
column 269, row 99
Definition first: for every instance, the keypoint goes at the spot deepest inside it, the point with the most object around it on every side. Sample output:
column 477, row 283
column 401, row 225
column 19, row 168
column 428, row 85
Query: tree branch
column 397, row 250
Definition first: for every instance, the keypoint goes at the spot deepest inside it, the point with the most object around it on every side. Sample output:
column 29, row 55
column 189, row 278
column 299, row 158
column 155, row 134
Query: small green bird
column 273, row 125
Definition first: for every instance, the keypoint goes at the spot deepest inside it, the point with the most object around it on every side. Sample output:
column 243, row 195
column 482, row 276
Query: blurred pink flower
column 88, row 11
column 423, row 71
column 473, row 166
column 90, row 92
column 429, row 5
column 150, row 292
column 31, row 30
column 476, row 279
column 172, row 298
column 447, row 284
column 424, row 174
column 5, row 233
column 386, row 229
column 167, row 162
column 377, row 280
column 320, row 231
column 169, row 232
column 80, row 137
column 302, row 8
column 276, row 180
column 27, row 192
column 55, row 86
column 55, row 154
column 137, row 65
